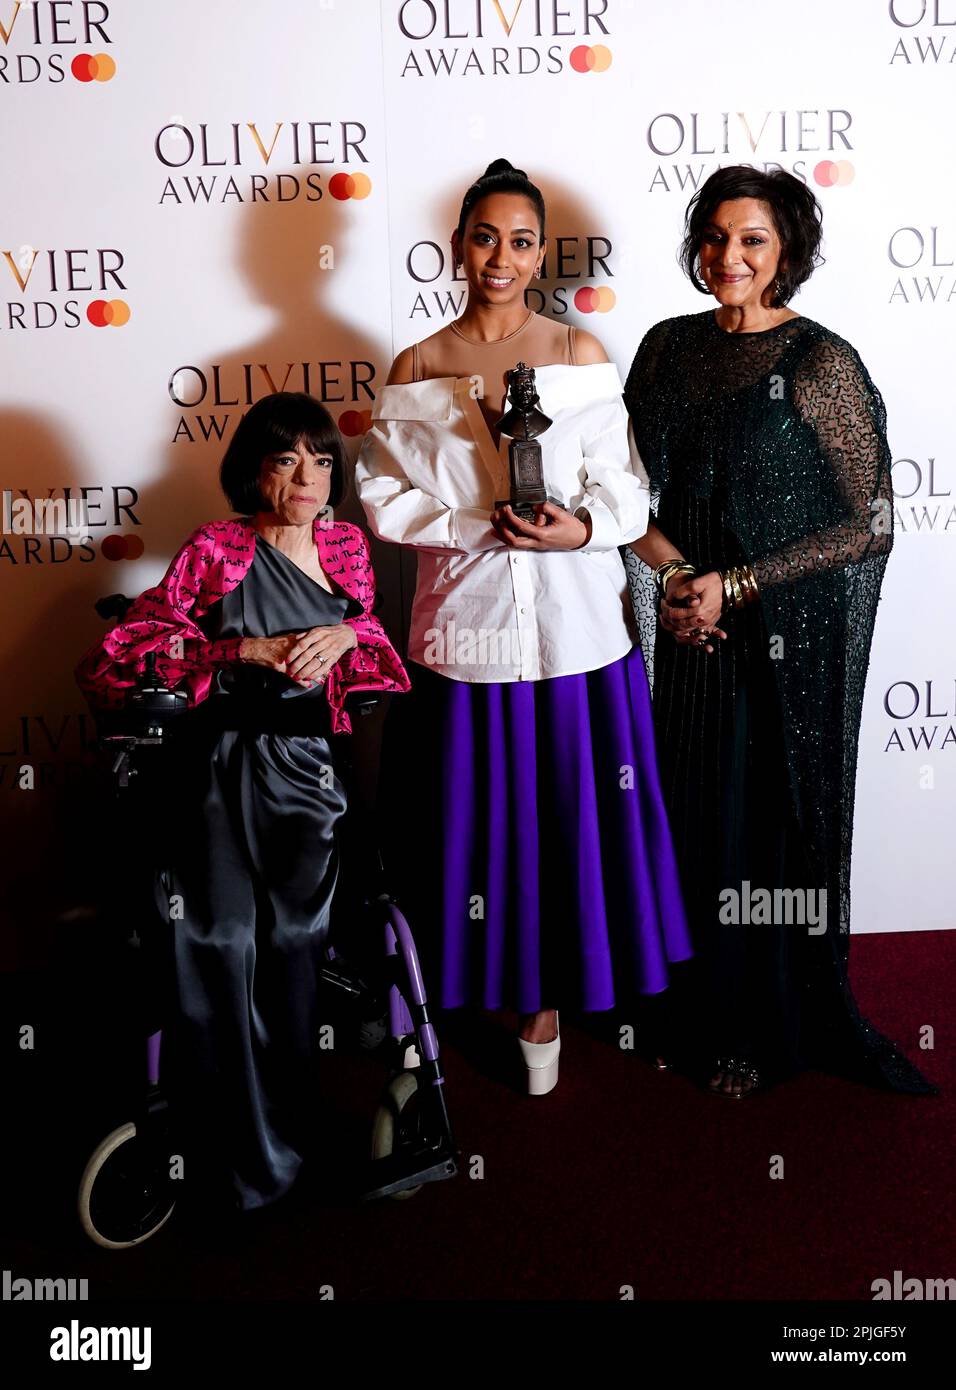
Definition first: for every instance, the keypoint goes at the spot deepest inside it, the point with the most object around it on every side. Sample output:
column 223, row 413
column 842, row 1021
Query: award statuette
column 524, row 423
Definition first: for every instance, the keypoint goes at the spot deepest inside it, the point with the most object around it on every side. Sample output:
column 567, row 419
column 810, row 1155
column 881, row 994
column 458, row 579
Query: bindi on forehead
column 756, row 227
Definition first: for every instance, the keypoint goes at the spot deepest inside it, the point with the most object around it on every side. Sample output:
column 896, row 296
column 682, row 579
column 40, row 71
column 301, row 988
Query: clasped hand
column 690, row 610
column 305, row 656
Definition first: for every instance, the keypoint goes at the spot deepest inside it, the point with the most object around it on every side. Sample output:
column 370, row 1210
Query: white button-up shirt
column 429, row 476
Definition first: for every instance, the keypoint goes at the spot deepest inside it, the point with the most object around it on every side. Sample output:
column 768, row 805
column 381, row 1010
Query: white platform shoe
column 541, row 1063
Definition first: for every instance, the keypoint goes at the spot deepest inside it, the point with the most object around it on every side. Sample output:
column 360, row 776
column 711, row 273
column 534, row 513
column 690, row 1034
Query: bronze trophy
column 524, row 423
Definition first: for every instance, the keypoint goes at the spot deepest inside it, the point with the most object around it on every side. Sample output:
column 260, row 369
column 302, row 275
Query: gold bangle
column 659, row 573
column 752, row 581
column 666, row 571
column 740, row 586
column 747, row 582
column 667, row 566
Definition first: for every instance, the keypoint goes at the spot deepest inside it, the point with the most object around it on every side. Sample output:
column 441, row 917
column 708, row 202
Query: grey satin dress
column 252, row 884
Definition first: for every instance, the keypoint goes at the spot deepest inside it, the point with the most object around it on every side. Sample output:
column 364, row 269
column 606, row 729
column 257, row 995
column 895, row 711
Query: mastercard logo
column 590, row 58
column 352, row 423
column 343, row 186
column 595, row 301
column 112, row 313
column 89, row 67
column 121, row 547
column 834, row 175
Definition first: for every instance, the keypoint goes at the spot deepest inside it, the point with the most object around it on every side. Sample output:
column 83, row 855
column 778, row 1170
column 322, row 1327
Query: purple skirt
column 527, row 831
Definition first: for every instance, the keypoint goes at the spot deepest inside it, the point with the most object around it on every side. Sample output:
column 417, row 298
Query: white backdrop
column 260, row 197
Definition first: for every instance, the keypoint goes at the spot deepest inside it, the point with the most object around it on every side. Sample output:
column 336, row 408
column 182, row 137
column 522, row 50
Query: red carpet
column 623, row 1176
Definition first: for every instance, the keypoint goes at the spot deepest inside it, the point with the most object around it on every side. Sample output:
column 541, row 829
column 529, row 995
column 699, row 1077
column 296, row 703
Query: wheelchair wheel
column 397, row 1121
column 125, row 1193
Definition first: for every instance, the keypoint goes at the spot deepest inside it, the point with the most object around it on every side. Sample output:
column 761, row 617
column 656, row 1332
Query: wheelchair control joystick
column 149, row 707
column 153, row 698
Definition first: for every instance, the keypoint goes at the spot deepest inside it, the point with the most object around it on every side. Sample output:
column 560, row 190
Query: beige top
column 539, row 342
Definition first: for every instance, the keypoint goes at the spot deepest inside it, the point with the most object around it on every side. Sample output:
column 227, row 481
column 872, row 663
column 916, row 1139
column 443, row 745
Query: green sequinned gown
column 768, row 448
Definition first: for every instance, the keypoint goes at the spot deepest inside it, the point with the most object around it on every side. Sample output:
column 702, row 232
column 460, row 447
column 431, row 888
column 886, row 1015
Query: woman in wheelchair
column 265, row 622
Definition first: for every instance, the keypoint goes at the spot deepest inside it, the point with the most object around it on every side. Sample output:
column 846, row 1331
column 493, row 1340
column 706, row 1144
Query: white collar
column 559, row 385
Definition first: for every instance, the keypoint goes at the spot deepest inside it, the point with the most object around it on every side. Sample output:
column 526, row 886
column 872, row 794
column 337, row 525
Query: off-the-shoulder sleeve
column 373, row 664
column 400, row 512
column 834, row 395
column 160, row 621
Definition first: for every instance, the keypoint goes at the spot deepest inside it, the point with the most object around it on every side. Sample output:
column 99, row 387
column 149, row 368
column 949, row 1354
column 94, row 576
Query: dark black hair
column 797, row 217
column 501, row 177
column 276, row 423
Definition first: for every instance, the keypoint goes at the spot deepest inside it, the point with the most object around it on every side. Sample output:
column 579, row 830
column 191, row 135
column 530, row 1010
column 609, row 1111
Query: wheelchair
column 128, row 1191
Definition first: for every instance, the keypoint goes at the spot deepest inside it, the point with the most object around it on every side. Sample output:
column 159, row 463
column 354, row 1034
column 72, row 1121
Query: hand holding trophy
column 530, row 519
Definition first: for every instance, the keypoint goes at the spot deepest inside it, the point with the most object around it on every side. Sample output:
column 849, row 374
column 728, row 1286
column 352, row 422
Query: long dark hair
column 501, row 177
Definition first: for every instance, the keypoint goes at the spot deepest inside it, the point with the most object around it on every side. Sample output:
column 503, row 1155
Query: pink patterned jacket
column 212, row 562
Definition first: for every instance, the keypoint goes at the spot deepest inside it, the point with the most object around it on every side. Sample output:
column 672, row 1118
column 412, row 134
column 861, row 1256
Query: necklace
column 477, row 342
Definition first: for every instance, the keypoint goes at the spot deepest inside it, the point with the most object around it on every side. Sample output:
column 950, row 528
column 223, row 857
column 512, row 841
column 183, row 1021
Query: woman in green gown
column 764, row 439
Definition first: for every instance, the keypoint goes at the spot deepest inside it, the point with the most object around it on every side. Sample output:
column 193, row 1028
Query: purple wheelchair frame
column 430, row 1156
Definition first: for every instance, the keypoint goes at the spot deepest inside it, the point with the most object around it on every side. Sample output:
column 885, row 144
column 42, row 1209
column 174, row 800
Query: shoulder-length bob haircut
column 797, row 217
column 271, row 426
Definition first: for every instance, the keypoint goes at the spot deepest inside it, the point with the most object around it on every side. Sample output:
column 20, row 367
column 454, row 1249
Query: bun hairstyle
column 501, row 177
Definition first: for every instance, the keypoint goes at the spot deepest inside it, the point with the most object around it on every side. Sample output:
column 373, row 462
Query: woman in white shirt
column 539, row 851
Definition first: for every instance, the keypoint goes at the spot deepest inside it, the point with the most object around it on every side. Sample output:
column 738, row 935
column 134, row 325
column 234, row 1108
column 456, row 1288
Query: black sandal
column 740, row 1069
